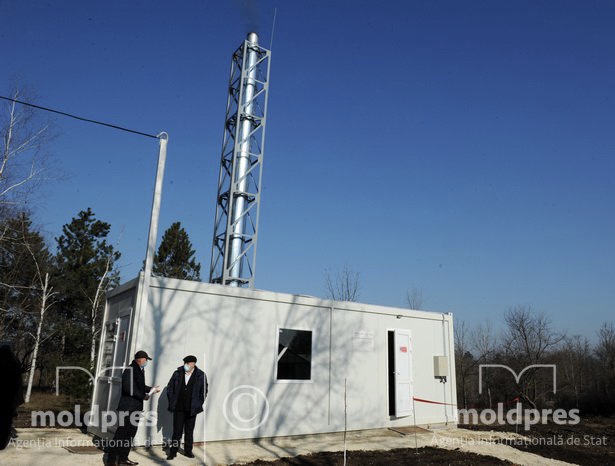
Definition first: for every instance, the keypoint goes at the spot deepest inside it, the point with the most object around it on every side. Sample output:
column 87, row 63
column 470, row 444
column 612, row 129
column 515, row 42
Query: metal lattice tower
column 233, row 257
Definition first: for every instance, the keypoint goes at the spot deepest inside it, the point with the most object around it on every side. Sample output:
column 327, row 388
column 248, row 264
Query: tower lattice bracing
column 233, row 258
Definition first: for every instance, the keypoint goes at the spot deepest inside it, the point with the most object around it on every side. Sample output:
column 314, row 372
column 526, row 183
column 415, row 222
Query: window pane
column 294, row 354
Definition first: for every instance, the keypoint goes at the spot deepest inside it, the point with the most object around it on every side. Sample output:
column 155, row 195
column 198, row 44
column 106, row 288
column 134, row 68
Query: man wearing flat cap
column 186, row 393
column 134, row 392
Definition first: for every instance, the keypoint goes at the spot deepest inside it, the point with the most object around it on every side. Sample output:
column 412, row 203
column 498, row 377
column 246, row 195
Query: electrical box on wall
column 440, row 366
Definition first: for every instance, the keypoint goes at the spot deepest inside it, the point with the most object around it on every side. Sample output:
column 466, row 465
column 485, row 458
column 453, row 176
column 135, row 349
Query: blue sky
column 462, row 148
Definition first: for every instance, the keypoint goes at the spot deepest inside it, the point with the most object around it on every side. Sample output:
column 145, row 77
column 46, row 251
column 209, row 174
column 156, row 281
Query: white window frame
column 275, row 357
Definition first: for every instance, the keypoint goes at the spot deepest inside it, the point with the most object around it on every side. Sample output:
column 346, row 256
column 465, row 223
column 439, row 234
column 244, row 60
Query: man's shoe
column 171, row 455
column 189, row 454
column 128, row 462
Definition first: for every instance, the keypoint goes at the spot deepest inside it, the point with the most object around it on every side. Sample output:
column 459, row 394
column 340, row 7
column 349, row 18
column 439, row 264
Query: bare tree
column 484, row 342
column 605, row 352
column 414, row 298
column 574, row 366
column 464, row 360
column 24, row 258
column 46, row 296
column 23, row 140
column 484, row 346
column 473, row 346
column 528, row 337
column 605, row 349
column 342, row 285
column 22, row 156
column 95, row 328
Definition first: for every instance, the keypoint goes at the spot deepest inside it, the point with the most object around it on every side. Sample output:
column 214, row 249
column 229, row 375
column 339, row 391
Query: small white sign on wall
column 363, row 340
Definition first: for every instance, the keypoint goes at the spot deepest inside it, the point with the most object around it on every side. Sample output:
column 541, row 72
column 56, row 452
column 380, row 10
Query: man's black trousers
column 122, row 440
column 182, row 423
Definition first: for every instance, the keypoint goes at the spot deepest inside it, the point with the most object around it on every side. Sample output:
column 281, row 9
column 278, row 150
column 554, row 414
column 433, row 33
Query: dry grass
column 43, row 401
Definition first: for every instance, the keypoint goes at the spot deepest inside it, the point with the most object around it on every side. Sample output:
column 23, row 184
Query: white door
column 403, row 373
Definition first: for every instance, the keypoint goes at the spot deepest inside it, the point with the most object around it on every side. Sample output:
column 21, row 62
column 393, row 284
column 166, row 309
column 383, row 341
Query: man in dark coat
column 11, row 391
column 134, row 391
column 186, row 392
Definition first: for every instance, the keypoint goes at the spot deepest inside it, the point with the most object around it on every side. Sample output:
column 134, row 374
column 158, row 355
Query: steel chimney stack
column 239, row 186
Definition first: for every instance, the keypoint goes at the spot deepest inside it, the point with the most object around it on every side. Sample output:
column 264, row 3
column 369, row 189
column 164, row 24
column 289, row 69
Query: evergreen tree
column 175, row 256
column 85, row 264
column 22, row 251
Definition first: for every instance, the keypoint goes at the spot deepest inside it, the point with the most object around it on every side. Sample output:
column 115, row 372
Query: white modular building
column 277, row 364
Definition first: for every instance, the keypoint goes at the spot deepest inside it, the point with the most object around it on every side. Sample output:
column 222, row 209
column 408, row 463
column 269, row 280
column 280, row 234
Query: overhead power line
column 87, row 120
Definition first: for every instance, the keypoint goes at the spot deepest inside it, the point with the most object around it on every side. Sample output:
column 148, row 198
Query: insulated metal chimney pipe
column 233, row 251
column 243, row 160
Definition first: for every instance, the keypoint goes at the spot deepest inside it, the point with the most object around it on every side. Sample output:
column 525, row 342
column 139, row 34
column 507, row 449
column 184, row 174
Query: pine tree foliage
column 84, row 258
column 175, row 256
column 22, row 250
